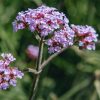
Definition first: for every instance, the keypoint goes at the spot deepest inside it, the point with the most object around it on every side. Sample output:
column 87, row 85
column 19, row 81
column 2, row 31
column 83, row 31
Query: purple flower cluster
column 86, row 36
column 44, row 20
column 61, row 39
column 8, row 75
column 47, row 21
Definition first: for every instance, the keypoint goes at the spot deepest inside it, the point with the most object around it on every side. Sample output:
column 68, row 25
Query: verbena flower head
column 44, row 20
column 8, row 75
column 47, row 21
column 86, row 36
column 61, row 39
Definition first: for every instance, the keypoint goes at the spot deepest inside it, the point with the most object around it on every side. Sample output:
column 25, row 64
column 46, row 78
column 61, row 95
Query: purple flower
column 61, row 39
column 47, row 21
column 8, row 75
column 44, row 20
column 12, row 82
column 4, row 85
column 8, row 56
column 86, row 36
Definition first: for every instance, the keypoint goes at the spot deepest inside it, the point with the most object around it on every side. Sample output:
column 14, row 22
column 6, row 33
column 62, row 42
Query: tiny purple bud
column 32, row 51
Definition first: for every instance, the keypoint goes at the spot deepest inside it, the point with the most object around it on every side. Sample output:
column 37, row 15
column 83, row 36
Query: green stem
column 51, row 57
column 34, row 71
column 36, row 77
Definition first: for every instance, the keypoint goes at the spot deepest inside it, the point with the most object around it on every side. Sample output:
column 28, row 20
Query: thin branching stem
column 34, row 71
column 50, row 58
column 37, row 76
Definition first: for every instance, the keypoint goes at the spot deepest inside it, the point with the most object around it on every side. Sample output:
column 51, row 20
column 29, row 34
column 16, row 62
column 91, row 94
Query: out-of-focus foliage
column 74, row 74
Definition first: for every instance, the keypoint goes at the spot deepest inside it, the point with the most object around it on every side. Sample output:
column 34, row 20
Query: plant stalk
column 36, row 77
column 51, row 57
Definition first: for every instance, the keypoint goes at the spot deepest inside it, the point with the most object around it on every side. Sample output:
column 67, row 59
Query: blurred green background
column 74, row 74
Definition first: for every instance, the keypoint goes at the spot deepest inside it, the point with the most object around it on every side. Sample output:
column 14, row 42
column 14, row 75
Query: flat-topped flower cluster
column 86, row 36
column 8, row 75
column 48, row 22
column 44, row 20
